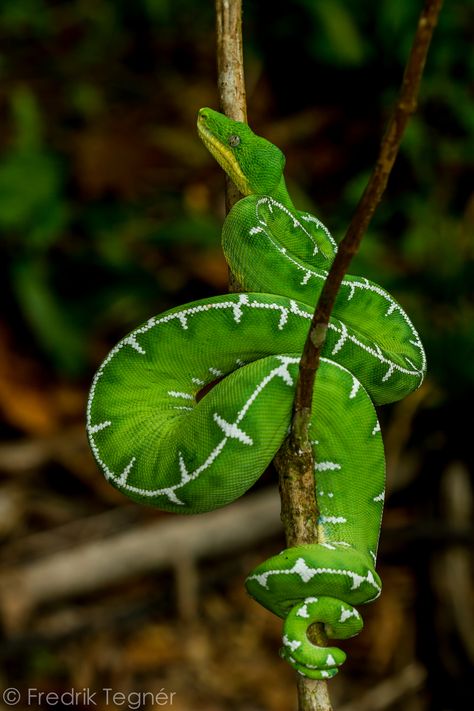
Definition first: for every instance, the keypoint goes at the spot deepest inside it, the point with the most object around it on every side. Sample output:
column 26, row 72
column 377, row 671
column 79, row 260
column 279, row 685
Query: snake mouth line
column 224, row 157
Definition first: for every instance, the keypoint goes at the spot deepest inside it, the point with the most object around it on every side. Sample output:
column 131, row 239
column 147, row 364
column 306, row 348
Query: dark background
column 110, row 211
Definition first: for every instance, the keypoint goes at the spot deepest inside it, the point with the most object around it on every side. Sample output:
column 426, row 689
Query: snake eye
column 234, row 140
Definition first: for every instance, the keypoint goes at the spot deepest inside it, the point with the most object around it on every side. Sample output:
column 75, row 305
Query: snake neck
column 282, row 196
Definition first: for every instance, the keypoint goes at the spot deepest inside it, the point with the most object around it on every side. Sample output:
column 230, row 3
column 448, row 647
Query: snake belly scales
column 159, row 441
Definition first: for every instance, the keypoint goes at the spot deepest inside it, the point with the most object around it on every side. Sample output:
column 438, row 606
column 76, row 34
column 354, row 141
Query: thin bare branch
column 404, row 108
column 295, row 462
column 230, row 72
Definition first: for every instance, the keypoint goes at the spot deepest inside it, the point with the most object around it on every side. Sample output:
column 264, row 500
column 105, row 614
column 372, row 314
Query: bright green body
column 160, row 443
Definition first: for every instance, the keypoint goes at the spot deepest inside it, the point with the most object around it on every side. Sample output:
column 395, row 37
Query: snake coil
column 159, row 443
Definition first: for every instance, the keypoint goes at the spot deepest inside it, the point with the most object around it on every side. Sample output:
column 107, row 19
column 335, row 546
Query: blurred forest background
column 110, row 212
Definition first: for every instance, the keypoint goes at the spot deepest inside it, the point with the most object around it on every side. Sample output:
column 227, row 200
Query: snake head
column 254, row 164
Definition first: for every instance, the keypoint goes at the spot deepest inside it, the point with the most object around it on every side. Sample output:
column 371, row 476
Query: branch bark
column 389, row 147
column 295, row 462
column 230, row 73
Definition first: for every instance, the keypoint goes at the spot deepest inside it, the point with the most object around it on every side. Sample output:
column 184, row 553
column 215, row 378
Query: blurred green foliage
column 110, row 209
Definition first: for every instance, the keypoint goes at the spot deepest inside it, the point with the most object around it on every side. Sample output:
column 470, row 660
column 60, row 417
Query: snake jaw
column 223, row 154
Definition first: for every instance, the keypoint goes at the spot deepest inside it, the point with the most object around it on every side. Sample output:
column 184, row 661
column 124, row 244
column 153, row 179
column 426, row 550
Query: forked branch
column 294, row 461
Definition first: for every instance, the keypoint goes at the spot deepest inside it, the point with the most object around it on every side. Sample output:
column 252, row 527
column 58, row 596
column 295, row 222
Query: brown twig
column 230, row 73
column 404, row 108
column 312, row 696
column 295, row 461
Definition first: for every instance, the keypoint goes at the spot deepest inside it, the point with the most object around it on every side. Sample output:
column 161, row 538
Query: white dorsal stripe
column 231, row 429
column 176, row 393
column 92, row 429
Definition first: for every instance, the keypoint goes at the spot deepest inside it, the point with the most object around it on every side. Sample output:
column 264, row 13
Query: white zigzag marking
column 376, row 428
column 183, row 320
column 341, row 340
column 380, row 497
column 185, row 477
column 284, row 318
column 379, row 352
column 232, row 430
column 176, row 393
column 330, row 495
column 92, row 429
column 295, row 309
column 306, row 217
column 123, row 476
column 170, row 493
column 291, row 643
column 270, row 202
column 326, row 466
column 306, row 573
column 389, row 372
column 354, row 284
column 303, row 610
column 280, row 371
column 243, row 301
column 332, row 519
column 191, row 311
column 330, row 661
column 347, row 614
column 131, row 340
column 355, row 388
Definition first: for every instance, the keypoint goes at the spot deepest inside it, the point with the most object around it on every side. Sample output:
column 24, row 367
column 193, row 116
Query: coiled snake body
column 159, row 442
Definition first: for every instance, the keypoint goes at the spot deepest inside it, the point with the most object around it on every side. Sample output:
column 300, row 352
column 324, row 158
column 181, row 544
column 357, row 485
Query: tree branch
column 230, row 73
column 231, row 86
column 404, row 108
column 294, row 462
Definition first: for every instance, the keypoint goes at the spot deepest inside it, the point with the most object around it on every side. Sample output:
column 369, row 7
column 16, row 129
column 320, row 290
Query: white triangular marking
column 230, row 429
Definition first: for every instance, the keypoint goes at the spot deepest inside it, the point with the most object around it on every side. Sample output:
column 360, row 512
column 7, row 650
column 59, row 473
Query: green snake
column 188, row 410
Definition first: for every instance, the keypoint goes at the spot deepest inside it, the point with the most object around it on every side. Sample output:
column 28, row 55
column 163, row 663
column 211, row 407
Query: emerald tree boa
column 188, row 410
